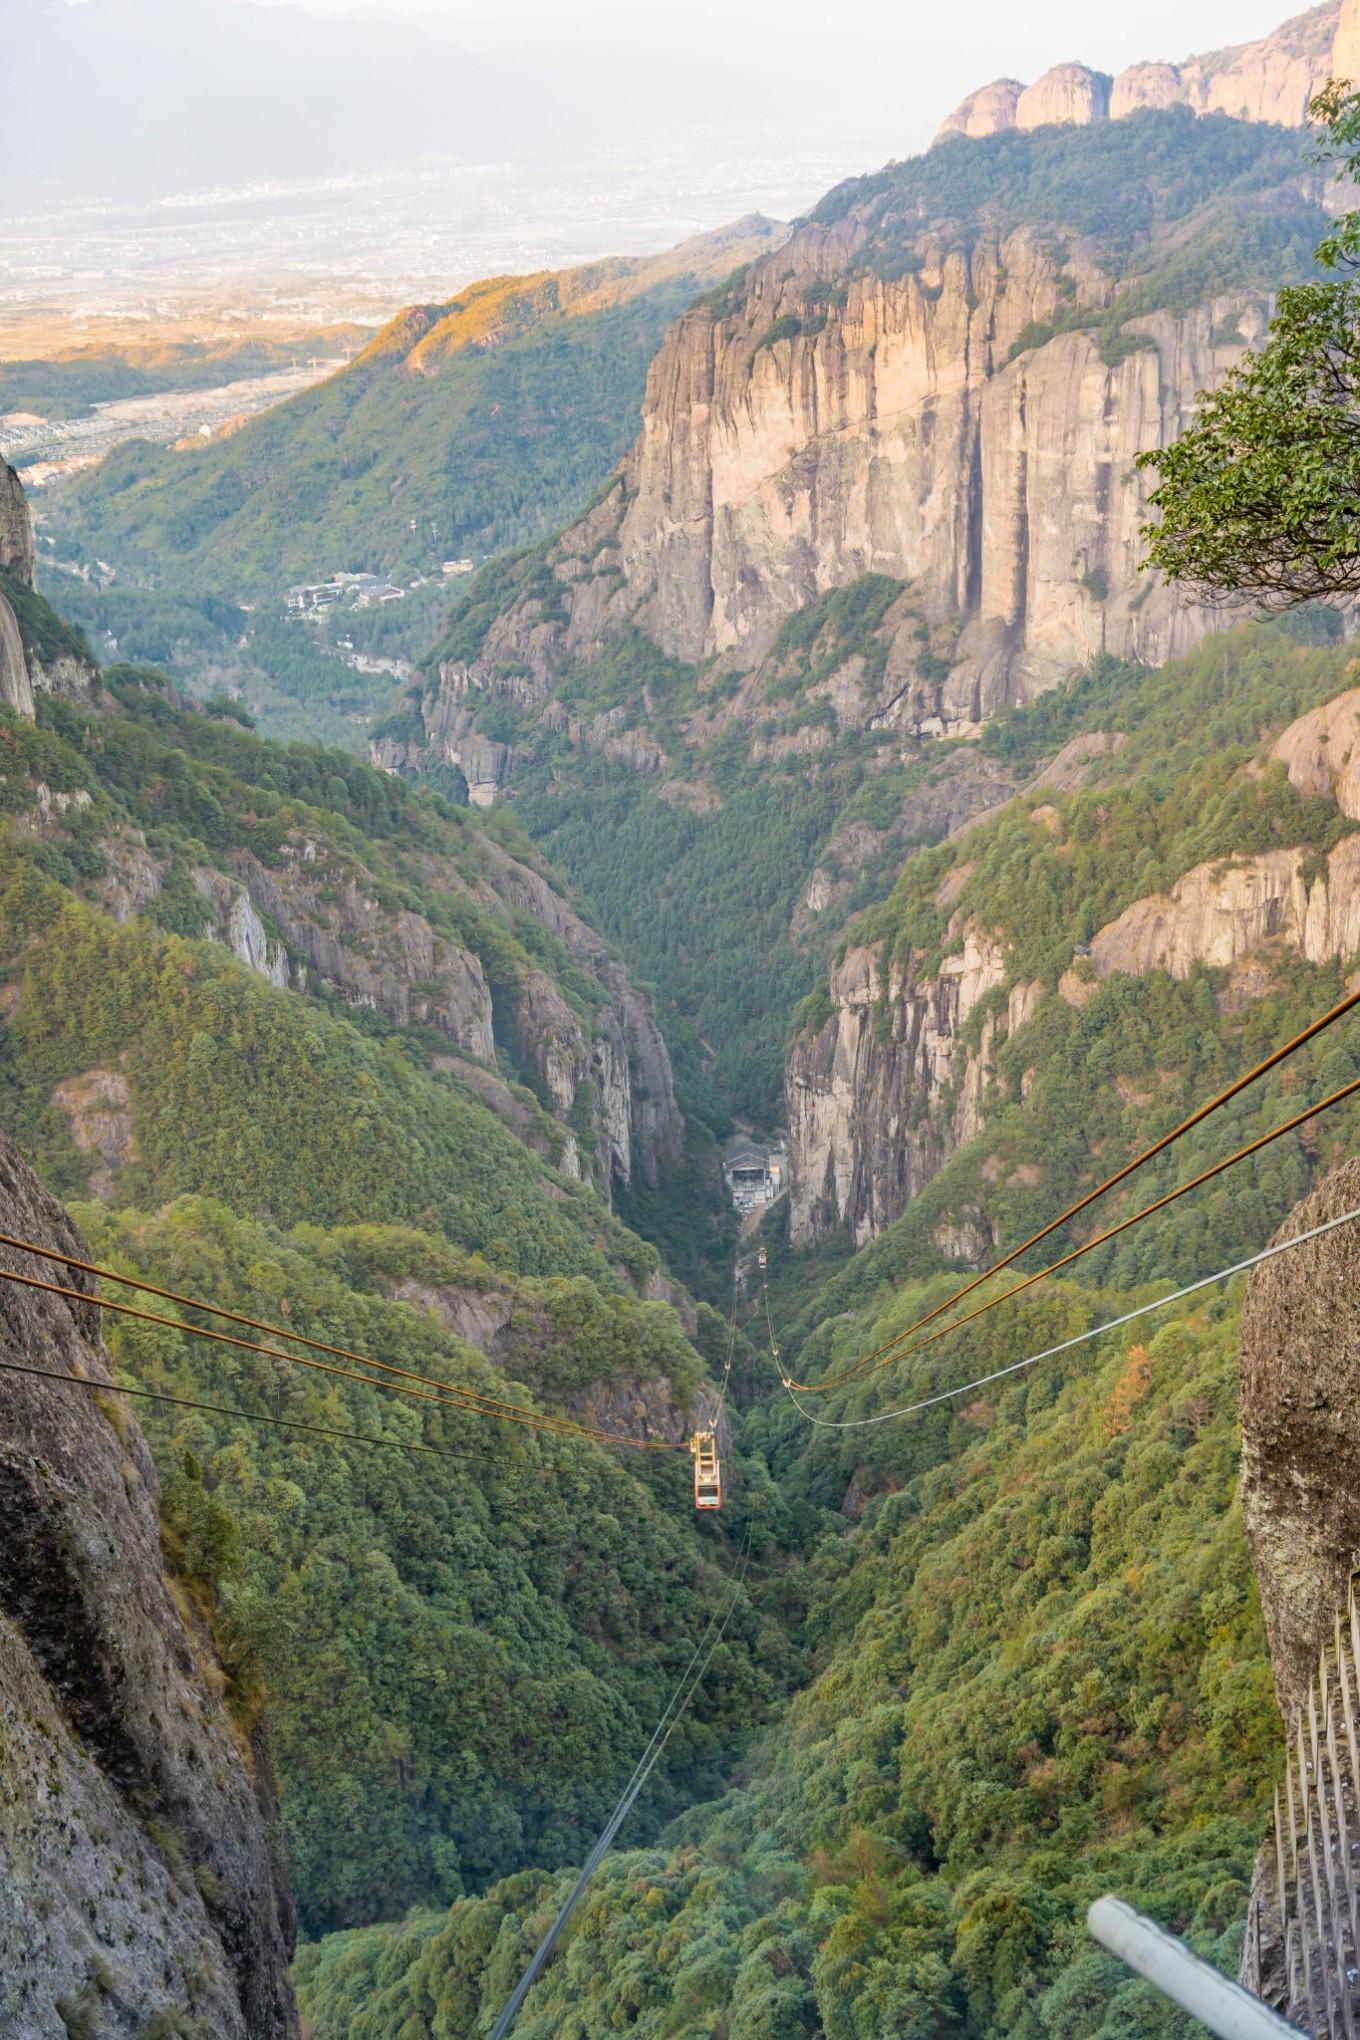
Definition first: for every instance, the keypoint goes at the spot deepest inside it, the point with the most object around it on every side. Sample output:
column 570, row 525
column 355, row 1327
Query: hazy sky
column 790, row 95
column 984, row 37
column 911, row 61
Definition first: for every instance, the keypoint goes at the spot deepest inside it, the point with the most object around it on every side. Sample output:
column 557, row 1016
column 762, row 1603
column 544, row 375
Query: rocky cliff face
column 514, row 1332
column 1271, row 79
column 21, row 670
column 1069, row 95
column 901, row 439
column 16, row 689
column 314, row 920
column 893, row 1083
column 16, row 532
column 1300, row 1373
column 1223, row 913
column 1300, row 1367
column 892, row 435
column 16, row 557
column 139, row 1887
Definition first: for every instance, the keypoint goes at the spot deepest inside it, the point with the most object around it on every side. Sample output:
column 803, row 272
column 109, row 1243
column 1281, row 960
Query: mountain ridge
column 1272, row 78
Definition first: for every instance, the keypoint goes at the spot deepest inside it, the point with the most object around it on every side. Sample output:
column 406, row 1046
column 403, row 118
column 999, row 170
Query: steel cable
column 1080, row 1338
column 642, row 1770
column 1196, row 1118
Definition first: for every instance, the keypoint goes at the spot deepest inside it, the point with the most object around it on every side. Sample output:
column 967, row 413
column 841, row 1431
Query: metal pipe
column 1222, row 2006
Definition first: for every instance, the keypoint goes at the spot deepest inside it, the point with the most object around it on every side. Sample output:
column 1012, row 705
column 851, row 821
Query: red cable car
column 707, row 1470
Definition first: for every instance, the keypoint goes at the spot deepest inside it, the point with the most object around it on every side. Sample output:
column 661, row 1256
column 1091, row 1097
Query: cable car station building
column 753, row 1171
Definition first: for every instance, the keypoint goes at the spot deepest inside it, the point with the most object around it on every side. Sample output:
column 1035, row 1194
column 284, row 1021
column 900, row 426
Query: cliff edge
column 1300, row 1370
column 140, row 1888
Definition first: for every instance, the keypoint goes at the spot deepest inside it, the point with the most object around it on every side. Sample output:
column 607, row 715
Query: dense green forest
column 701, row 903
column 724, row 860
column 491, row 1634
column 1039, row 1667
column 1040, row 1675
column 989, row 1661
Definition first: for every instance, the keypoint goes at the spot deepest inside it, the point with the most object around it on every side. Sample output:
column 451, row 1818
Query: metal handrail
column 1196, row 1986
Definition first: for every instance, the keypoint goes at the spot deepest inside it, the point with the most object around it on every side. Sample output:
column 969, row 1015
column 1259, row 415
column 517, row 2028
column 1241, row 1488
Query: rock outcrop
column 1321, row 752
column 16, row 689
column 1145, row 85
column 24, row 670
column 1300, row 1371
column 898, row 437
column 1299, row 1368
column 140, row 1890
column 889, row 1087
column 1221, row 913
column 893, row 1082
column 1069, row 95
column 904, row 437
column 16, row 530
column 1346, row 43
column 314, row 920
column 1271, row 79
column 986, row 111
column 515, row 1332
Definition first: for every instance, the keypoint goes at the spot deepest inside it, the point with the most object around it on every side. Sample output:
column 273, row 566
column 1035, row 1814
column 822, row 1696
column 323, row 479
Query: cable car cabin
column 707, row 1470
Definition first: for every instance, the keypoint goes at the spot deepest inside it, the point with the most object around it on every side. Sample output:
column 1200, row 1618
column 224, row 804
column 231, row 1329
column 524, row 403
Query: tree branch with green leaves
column 1259, row 500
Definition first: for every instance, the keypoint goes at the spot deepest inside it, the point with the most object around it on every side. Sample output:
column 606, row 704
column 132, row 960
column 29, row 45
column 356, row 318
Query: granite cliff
column 33, row 656
column 606, row 1074
column 16, row 560
column 898, row 1070
column 140, row 1888
column 900, row 441
column 942, row 378
column 1270, row 79
column 16, row 531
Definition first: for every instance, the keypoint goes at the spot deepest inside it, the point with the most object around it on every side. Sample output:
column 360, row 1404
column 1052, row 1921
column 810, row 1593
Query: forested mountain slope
column 461, row 428
column 1040, row 1671
column 1193, row 855
column 1040, row 1675
column 393, row 1114
column 943, row 374
column 940, row 828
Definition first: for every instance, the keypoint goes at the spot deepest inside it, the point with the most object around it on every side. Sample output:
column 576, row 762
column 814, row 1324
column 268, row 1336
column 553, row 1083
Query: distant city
column 358, row 248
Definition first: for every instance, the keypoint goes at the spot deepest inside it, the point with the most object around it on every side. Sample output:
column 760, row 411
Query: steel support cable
column 684, row 1692
column 491, row 1405
column 449, row 1397
column 642, row 1770
column 1196, row 1118
column 1080, row 1338
column 731, row 1349
column 185, row 1402
column 871, row 1364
